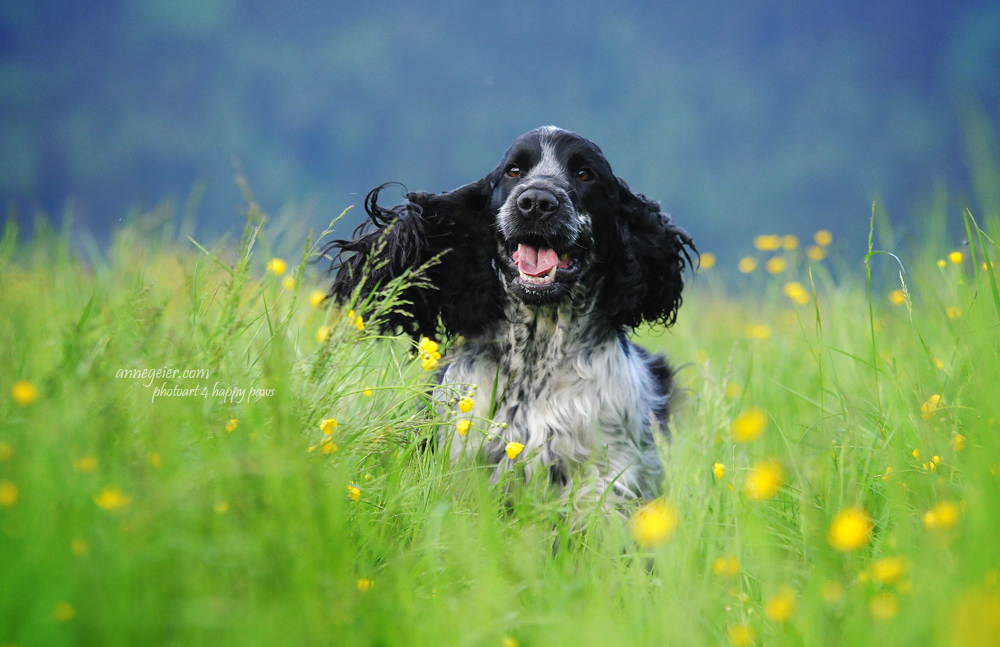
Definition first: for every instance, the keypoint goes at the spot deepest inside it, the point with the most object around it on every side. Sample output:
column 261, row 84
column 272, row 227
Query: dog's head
column 550, row 224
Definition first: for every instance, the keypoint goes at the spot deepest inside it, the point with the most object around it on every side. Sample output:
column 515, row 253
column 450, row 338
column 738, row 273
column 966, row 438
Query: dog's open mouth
column 540, row 267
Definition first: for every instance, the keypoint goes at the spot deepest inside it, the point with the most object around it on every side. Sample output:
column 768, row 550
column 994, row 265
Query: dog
column 543, row 267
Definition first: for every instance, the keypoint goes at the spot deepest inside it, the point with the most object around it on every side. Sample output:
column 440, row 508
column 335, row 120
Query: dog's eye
column 584, row 175
column 513, row 172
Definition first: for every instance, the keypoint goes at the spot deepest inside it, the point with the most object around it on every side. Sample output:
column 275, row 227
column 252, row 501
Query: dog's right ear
column 459, row 294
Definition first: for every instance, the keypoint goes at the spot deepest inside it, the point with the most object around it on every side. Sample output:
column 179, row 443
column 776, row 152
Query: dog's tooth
column 552, row 272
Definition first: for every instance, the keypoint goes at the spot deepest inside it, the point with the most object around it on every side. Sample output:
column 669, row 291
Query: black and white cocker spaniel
column 545, row 265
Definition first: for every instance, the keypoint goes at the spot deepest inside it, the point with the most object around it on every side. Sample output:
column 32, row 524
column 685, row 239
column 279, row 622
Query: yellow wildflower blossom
column 6, row 451
column 364, row 584
column 513, row 449
column 749, row 425
column 155, row 460
column 277, row 266
column 884, row 606
column 767, row 243
column 815, row 252
column 796, row 292
column 232, row 425
column 780, row 607
column 288, row 283
column 740, row 635
column 707, row 261
column 111, row 499
column 465, row 405
column 8, row 494
column 942, row 263
column 887, row 474
column 463, row 427
column 953, row 312
column 509, row 642
column 356, row 320
column 316, row 299
column 719, row 470
column 24, row 393
column 942, row 516
column 328, row 446
column 790, row 242
column 959, row 442
column 823, row 237
column 354, row 492
column 897, row 297
column 747, row 264
column 368, row 392
column 955, row 257
column 727, row 565
column 929, row 408
column 850, row 530
column 85, row 464
column 764, row 480
column 888, row 570
column 429, row 353
column 775, row 265
column 221, row 507
column 757, row 331
column 733, row 390
column 63, row 612
column 916, row 454
column 327, row 425
column 322, row 334
column 654, row 523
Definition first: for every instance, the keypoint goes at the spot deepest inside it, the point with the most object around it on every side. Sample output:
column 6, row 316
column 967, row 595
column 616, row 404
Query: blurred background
column 740, row 117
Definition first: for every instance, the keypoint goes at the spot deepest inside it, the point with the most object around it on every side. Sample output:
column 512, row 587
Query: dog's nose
column 537, row 204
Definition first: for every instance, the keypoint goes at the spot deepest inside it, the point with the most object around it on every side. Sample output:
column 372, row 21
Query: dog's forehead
column 548, row 150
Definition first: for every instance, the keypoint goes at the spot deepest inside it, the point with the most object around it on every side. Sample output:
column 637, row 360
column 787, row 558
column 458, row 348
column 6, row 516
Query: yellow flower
column 232, row 425
column 832, row 591
column 513, row 449
column 85, row 464
column 221, row 507
column 749, row 425
column 888, row 472
column 928, row 410
column 728, row 565
column 79, row 546
column 288, row 283
column 463, row 427
column 916, row 454
column 8, row 494
column 364, row 584
column 781, row 606
column 327, row 426
column 316, row 299
column 328, row 446
column 850, row 530
column 733, row 390
column 322, row 334
column 111, row 499
column 767, row 243
column 775, row 265
column 942, row 516
column 155, row 460
column 24, row 393
column 959, row 442
column 815, row 252
column 63, row 612
column 6, row 451
column 277, row 266
column 953, row 312
column 740, row 635
column 707, row 261
column 747, row 264
column 796, row 293
column 757, row 331
column 888, row 570
column 465, row 405
column 353, row 492
column 884, row 606
column 368, row 392
column 897, row 298
column 719, row 470
column 509, row 642
column 355, row 319
column 429, row 353
column 823, row 237
column 653, row 523
column 941, row 263
column 955, row 257
column 790, row 242
column 764, row 480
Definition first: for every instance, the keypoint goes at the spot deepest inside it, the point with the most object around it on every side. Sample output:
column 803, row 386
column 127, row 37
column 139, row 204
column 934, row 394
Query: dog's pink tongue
column 535, row 262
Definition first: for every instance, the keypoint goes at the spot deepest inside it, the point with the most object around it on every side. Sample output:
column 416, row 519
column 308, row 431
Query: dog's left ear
column 643, row 255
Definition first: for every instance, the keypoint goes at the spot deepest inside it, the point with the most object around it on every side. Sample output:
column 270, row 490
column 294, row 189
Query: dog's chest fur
column 576, row 395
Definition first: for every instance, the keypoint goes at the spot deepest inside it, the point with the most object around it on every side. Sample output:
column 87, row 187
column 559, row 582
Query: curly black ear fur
column 643, row 256
column 461, row 293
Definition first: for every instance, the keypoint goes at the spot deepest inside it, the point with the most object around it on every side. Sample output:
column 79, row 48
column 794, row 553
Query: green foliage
column 128, row 517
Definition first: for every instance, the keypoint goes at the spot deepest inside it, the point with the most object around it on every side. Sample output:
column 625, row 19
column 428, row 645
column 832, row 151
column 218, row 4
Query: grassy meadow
column 832, row 478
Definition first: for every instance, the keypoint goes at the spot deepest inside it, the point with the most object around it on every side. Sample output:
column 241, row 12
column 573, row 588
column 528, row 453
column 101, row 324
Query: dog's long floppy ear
column 643, row 255
column 459, row 293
